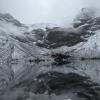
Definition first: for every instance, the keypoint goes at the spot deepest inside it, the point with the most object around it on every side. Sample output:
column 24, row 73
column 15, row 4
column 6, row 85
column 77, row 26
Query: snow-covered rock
column 42, row 26
column 87, row 25
column 90, row 49
column 10, row 25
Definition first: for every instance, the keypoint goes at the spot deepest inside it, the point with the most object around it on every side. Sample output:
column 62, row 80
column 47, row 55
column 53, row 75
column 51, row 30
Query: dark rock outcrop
column 57, row 37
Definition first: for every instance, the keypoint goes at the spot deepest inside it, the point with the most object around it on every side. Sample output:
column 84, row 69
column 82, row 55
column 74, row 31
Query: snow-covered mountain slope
column 10, row 25
column 52, row 36
column 87, row 25
column 90, row 49
column 42, row 26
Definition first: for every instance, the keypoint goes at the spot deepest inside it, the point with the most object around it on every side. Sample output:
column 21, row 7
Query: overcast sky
column 44, row 11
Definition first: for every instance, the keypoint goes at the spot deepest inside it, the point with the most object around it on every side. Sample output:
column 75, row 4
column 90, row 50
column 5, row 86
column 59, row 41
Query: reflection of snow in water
column 26, row 71
column 90, row 67
column 6, row 72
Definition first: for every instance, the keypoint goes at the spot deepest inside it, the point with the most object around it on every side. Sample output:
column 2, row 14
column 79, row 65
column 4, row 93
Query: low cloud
column 59, row 12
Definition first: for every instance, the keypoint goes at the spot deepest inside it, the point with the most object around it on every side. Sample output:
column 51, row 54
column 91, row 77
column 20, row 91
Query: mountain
column 27, row 52
column 89, row 23
column 90, row 49
column 8, row 18
column 52, row 36
column 10, row 25
column 80, row 41
column 21, row 43
column 44, row 36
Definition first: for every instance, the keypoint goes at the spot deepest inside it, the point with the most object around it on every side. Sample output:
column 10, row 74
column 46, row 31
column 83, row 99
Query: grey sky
column 43, row 11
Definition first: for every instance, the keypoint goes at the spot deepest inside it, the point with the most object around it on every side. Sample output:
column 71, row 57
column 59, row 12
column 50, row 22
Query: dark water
column 78, row 80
